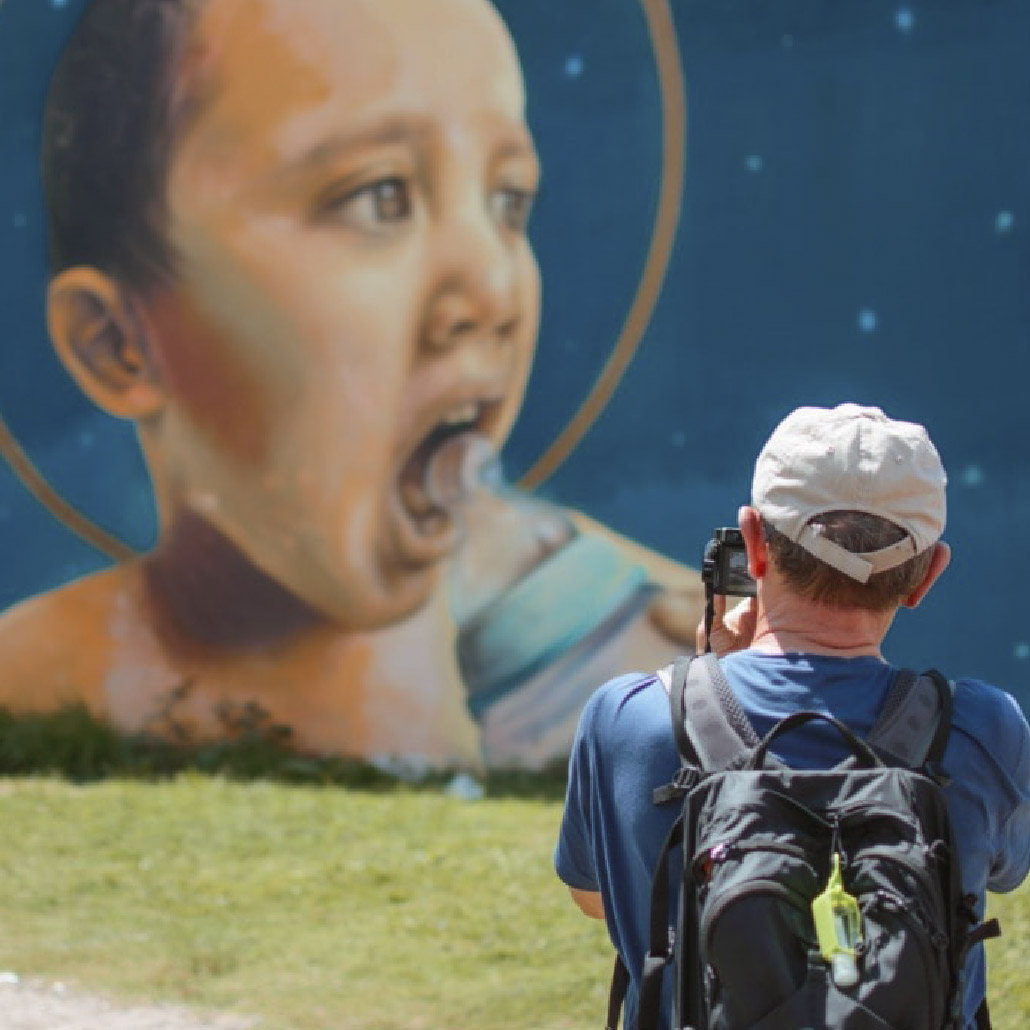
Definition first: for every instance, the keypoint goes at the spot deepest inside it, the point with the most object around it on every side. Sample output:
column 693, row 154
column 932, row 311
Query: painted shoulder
column 55, row 647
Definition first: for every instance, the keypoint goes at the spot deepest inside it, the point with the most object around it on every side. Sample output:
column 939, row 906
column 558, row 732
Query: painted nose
column 477, row 295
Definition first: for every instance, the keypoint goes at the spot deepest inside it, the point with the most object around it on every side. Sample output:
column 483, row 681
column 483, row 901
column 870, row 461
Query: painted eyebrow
column 399, row 130
column 519, row 146
column 415, row 130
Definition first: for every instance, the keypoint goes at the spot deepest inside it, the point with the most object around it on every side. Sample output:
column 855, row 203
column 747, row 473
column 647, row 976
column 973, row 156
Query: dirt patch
column 35, row 1005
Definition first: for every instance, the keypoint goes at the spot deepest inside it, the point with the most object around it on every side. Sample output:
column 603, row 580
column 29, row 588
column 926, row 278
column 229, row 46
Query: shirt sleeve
column 573, row 856
column 1012, row 849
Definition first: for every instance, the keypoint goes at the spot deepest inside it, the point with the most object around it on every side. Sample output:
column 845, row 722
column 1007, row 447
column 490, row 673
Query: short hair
column 859, row 532
column 109, row 127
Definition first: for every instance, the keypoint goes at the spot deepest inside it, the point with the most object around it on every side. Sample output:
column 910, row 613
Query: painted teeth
column 467, row 413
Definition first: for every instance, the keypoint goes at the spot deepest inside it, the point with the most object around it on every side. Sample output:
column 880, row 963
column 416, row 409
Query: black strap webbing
column 680, row 668
column 711, row 729
column 659, row 949
column 983, row 1017
column 946, row 699
column 915, row 720
column 617, row 993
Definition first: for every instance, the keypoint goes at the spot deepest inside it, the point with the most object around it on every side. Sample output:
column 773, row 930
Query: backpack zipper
column 928, row 884
column 708, row 858
column 921, row 929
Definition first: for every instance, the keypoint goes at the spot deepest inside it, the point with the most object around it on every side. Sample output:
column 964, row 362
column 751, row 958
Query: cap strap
column 890, row 557
column 858, row 566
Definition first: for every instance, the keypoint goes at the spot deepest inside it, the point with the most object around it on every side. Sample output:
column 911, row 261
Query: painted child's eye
column 374, row 205
column 390, row 199
column 512, row 206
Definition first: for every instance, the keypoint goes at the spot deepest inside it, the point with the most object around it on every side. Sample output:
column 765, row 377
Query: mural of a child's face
column 347, row 200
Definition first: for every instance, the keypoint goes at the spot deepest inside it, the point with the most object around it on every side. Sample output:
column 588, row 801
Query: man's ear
column 750, row 522
column 101, row 342
column 938, row 563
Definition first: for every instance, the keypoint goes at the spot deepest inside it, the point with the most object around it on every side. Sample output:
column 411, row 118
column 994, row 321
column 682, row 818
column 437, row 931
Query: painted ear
column 101, row 343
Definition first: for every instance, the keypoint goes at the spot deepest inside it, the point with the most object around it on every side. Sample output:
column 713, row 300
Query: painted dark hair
column 108, row 130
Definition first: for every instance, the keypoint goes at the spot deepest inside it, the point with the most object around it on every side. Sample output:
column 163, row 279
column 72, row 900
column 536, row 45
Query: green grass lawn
column 312, row 907
column 1008, row 983
column 313, row 895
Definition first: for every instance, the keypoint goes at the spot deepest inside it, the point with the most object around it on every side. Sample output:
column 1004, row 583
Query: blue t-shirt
column 612, row 832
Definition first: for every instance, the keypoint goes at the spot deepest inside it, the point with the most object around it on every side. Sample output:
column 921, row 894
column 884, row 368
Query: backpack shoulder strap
column 711, row 729
column 617, row 993
column 913, row 725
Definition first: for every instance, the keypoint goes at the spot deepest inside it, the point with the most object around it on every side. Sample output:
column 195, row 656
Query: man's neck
column 787, row 643
column 787, row 623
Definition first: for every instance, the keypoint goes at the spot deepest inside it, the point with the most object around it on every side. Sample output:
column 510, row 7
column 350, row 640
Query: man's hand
column 731, row 631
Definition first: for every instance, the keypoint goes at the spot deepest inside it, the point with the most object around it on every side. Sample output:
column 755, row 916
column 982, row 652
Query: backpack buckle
column 682, row 783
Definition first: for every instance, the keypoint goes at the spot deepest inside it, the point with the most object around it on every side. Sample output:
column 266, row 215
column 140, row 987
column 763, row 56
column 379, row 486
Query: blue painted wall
column 855, row 228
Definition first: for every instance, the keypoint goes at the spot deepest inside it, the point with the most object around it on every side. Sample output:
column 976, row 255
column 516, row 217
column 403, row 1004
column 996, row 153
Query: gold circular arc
column 36, row 483
column 669, row 64
column 672, row 86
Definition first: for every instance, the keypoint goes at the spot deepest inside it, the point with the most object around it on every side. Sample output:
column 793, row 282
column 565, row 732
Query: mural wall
column 377, row 393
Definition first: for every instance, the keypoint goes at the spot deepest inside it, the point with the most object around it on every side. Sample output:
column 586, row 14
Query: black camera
column 724, row 568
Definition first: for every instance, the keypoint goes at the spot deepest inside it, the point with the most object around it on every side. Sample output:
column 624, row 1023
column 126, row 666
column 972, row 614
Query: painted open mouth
column 442, row 470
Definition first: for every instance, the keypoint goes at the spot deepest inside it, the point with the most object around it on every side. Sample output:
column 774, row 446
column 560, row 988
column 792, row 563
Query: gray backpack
column 809, row 899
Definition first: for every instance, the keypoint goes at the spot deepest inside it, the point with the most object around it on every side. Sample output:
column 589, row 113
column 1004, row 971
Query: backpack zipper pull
column 838, row 927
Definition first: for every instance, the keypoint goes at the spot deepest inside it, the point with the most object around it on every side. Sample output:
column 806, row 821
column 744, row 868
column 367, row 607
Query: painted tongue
column 459, row 468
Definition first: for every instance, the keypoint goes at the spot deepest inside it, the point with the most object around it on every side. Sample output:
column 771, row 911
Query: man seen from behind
column 848, row 507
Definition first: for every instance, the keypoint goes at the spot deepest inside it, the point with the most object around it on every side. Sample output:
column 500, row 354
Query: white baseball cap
column 851, row 458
